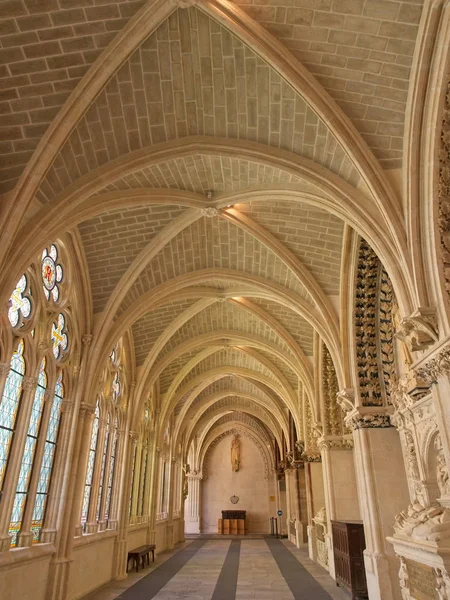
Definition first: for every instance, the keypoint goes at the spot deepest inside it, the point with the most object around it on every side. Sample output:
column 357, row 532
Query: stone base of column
column 331, row 567
column 78, row 530
column 25, row 539
column 378, row 576
column 91, row 527
column 58, row 580
column 192, row 525
column 169, row 536
column 120, row 571
column 5, row 543
column 48, row 536
column 312, row 547
column 301, row 535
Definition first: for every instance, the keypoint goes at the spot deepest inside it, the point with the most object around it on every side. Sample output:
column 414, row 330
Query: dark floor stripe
column 301, row 583
column 227, row 583
column 151, row 584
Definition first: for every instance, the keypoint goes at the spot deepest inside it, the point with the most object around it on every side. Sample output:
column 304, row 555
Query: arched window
column 112, row 465
column 45, row 473
column 9, row 406
column 90, row 466
column 28, row 455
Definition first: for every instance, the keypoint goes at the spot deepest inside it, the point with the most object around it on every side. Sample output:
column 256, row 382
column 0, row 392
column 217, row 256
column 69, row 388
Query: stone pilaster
column 192, row 514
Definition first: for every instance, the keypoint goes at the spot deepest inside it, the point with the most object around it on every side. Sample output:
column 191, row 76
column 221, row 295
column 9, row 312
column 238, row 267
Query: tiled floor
column 235, row 568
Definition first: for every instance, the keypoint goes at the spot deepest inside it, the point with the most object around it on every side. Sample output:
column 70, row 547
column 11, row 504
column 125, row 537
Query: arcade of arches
column 223, row 220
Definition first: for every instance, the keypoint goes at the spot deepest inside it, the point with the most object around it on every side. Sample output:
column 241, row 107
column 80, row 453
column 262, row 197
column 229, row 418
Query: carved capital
column 367, row 420
column 86, row 410
column 430, row 524
column 29, row 383
column 210, row 211
column 346, row 399
column 134, row 436
column 419, row 330
column 66, row 405
column 49, row 395
column 311, row 457
column 335, row 444
column 86, row 339
column 437, row 366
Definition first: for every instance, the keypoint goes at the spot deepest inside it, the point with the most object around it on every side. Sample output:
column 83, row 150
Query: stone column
column 170, row 491
column 15, row 460
column 294, row 517
column 341, row 498
column 192, row 514
column 382, row 491
column 66, row 505
column 120, row 563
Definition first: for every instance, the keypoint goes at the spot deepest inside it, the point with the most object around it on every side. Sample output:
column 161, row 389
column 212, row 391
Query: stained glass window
column 51, row 439
column 19, row 303
column 116, row 387
column 112, row 464
column 60, row 339
column 90, row 466
column 102, row 472
column 9, row 406
column 52, row 273
column 28, row 455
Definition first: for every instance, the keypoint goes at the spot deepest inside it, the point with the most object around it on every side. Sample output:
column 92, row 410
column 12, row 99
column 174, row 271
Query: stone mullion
column 171, row 496
column 86, row 418
column 25, row 537
column 67, row 490
column 154, row 491
column 120, row 464
column 151, row 467
column 54, row 497
column 101, row 515
column 91, row 523
column 120, row 561
column 15, row 459
column 143, row 477
column 136, row 480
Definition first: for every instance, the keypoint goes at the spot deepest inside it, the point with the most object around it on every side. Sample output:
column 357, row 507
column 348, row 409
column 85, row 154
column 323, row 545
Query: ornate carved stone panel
column 444, row 190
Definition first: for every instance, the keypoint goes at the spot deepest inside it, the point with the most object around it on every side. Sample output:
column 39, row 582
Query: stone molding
column 419, row 330
column 210, row 211
column 335, row 444
column 436, row 366
column 29, row 383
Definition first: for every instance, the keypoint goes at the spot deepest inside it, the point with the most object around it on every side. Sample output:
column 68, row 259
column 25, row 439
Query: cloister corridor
column 225, row 299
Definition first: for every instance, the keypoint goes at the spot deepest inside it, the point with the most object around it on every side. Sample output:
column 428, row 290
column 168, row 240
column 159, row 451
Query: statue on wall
column 235, row 453
column 441, row 468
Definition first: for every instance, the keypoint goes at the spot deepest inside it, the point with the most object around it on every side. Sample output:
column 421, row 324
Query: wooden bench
column 143, row 552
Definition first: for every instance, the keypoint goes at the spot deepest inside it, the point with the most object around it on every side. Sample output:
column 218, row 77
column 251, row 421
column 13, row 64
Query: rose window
column 19, row 304
column 52, row 273
column 60, row 339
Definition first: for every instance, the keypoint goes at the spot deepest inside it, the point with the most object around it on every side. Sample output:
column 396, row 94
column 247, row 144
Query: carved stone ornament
column 311, row 457
column 210, row 211
column 86, row 339
column 430, row 524
column 346, row 400
column 442, row 584
column 86, row 409
column 444, row 190
column 419, row 330
column 343, row 444
column 29, row 383
column 435, row 367
column 403, row 579
column 368, row 421
column 442, row 473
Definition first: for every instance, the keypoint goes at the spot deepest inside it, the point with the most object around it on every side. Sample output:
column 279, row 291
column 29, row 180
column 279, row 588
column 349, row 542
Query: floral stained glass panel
column 19, row 303
column 52, row 273
column 47, row 462
column 60, row 339
column 9, row 405
column 28, row 456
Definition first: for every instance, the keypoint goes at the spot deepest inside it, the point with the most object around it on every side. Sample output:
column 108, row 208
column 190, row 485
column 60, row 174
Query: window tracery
column 59, row 337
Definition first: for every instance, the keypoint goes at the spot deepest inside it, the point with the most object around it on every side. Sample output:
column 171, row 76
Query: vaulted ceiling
column 211, row 158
